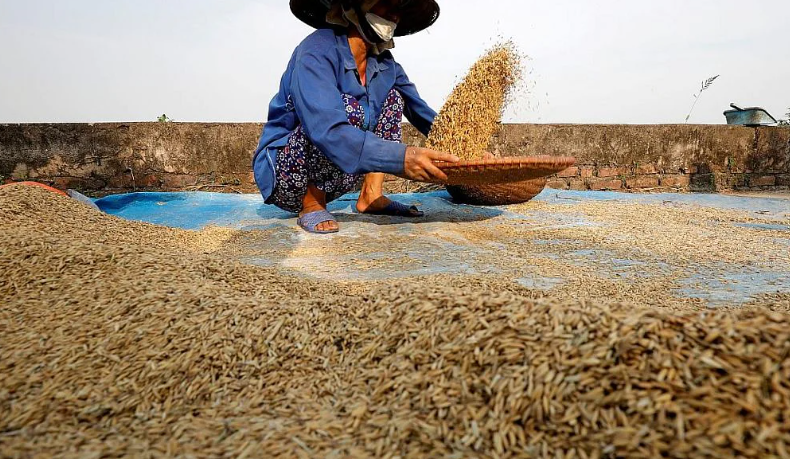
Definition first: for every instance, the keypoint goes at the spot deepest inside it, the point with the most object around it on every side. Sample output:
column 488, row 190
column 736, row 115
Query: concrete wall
column 123, row 156
column 102, row 158
column 707, row 157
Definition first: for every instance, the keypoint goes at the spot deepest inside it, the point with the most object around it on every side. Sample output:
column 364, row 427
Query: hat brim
column 417, row 16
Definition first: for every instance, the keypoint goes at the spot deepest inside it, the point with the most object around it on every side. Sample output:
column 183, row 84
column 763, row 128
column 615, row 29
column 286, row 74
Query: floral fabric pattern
column 301, row 163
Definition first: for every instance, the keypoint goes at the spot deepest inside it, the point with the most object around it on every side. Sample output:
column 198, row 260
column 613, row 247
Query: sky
column 603, row 61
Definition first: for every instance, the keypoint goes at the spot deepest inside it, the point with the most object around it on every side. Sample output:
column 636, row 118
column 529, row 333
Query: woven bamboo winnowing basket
column 504, row 181
column 502, row 194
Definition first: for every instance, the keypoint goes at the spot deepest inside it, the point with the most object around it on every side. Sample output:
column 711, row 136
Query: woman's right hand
column 419, row 164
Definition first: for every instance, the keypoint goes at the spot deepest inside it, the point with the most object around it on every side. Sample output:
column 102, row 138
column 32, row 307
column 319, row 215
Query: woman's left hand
column 419, row 164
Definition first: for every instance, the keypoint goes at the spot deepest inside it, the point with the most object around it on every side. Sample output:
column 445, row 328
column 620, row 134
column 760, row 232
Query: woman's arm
column 417, row 111
column 321, row 111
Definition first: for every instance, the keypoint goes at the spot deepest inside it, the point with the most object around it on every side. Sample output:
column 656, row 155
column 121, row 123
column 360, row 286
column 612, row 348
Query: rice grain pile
column 471, row 115
column 120, row 338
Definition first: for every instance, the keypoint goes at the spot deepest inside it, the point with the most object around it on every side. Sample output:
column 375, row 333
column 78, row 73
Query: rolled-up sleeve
column 417, row 111
column 320, row 109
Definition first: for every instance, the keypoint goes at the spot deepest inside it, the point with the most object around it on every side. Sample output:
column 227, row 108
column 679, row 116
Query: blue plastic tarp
column 198, row 210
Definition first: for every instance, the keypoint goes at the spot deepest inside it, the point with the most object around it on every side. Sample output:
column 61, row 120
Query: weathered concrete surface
column 709, row 157
column 176, row 156
column 668, row 147
column 129, row 155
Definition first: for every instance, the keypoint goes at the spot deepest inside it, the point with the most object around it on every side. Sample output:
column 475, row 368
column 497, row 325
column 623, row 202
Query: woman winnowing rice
column 336, row 120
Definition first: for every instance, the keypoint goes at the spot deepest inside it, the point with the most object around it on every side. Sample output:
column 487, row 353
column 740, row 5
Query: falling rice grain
column 471, row 115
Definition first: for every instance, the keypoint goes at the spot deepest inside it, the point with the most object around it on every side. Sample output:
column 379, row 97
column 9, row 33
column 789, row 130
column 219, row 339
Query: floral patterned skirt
column 300, row 163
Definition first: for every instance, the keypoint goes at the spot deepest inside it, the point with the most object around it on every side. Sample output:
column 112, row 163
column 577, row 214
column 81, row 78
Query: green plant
column 785, row 123
column 164, row 119
column 705, row 85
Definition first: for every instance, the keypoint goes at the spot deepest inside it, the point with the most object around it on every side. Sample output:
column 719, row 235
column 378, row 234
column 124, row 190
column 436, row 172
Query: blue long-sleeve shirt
column 321, row 69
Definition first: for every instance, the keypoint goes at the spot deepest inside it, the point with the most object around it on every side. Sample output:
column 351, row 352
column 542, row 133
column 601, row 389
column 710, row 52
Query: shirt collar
column 349, row 63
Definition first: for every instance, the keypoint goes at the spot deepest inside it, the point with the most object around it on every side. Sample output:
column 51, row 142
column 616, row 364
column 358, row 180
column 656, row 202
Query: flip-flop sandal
column 309, row 222
column 396, row 209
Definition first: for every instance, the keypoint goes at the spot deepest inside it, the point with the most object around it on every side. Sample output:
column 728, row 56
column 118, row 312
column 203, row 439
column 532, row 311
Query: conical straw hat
column 417, row 15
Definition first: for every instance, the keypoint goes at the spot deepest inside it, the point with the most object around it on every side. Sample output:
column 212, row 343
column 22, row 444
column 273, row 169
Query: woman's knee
column 354, row 111
column 389, row 125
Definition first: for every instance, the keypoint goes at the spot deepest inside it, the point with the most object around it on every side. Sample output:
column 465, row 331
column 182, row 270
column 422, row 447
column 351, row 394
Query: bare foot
column 372, row 203
column 314, row 201
column 369, row 205
column 372, row 199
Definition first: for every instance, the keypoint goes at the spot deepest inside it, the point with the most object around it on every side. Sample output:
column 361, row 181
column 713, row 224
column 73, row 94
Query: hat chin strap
column 364, row 27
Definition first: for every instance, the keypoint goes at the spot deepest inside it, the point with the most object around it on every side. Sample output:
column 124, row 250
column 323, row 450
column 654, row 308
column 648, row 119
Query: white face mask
column 384, row 29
